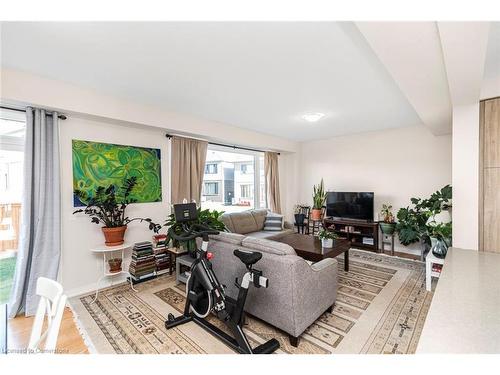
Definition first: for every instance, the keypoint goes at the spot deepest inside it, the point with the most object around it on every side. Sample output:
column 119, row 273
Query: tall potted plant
column 107, row 206
column 387, row 226
column 319, row 199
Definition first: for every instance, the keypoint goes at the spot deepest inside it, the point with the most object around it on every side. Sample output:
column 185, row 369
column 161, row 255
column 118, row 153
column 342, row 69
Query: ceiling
column 253, row 75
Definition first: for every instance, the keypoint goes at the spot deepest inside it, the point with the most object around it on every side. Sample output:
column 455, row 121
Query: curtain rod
column 62, row 117
column 224, row 145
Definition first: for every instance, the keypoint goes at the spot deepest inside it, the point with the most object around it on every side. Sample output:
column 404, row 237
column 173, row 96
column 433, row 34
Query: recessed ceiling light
column 313, row 117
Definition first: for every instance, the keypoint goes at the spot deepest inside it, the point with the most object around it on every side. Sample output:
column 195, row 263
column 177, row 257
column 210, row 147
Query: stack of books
column 162, row 258
column 143, row 265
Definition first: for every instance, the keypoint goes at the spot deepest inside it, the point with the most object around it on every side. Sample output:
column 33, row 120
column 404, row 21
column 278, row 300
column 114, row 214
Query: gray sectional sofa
column 298, row 292
column 251, row 223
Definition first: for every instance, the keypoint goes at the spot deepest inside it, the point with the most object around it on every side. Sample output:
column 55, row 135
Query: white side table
column 429, row 261
column 110, row 252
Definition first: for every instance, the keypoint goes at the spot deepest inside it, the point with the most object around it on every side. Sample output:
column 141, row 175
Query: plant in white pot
column 319, row 199
column 327, row 238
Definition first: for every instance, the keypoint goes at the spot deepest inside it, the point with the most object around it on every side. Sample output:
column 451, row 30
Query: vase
column 299, row 219
column 327, row 243
column 114, row 236
column 438, row 247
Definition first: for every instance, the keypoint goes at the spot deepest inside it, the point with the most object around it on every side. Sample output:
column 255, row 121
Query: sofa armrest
column 325, row 263
column 314, row 290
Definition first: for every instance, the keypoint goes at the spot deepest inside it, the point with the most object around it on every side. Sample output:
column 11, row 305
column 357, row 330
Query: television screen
column 350, row 205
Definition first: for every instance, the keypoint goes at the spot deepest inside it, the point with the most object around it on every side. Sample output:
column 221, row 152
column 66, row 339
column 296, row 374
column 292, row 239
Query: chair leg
column 294, row 341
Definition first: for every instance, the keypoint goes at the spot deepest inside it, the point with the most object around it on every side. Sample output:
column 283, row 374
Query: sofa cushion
column 226, row 219
column 274, row 222
column 260, row 216
column 232, row 238
column 268, row 246
column 269, row 235
column 243, row 222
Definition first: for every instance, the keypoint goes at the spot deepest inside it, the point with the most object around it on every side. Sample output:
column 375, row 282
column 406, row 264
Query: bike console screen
column 184, row 212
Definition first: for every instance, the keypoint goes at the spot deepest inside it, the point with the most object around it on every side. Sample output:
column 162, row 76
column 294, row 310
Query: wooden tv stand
column 354, row 231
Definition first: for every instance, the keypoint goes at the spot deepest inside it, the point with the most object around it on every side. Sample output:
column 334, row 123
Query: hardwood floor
column 68, row 342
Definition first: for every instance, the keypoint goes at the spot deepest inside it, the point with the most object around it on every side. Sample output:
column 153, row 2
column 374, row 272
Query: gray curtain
column 272, row 181
column 40, row 239
column 188, row 167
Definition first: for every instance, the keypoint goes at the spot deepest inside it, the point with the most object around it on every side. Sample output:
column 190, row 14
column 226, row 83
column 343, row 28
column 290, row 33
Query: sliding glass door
column 12, row 132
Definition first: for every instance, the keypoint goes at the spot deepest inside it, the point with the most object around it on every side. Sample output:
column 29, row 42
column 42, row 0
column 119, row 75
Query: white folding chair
column 52, row 303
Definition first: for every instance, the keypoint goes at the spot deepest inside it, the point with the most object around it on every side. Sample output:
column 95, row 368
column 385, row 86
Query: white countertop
column 464, row 316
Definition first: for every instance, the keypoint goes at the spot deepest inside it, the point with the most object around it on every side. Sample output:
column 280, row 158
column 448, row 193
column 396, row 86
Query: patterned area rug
column 381, row 307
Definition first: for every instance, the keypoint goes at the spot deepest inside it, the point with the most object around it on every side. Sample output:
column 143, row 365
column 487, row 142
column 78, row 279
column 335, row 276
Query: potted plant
column 413, row 220
column 319, row 198
column 299, row 214
column 387, row 225
column 327, row 238
column 205, row 217
column 107, row 206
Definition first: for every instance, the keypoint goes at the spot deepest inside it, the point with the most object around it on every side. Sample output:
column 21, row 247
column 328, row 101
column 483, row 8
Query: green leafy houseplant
column 413, row 220
column 387, row 226
column 107, row 206
column 319, row 199
column 205, row 217
column 327, row 237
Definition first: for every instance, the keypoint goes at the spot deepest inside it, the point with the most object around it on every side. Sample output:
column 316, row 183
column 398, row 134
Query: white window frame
column 256, row 177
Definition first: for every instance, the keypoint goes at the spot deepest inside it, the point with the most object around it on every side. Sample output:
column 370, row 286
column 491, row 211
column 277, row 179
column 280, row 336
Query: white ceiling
column 259, row 76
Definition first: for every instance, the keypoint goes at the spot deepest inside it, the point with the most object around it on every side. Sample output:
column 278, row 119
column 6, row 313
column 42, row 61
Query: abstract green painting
column 102, row 164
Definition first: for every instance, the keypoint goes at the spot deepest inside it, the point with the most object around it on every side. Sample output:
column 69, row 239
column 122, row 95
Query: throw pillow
column 273, row 222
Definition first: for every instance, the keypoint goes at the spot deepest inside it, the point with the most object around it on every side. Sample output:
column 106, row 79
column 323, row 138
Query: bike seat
column 248, row 257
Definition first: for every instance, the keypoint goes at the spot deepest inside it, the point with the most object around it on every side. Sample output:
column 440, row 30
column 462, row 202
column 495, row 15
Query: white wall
column 80, row 268
column 23, row 88
column 466, row 176
column 395, row 164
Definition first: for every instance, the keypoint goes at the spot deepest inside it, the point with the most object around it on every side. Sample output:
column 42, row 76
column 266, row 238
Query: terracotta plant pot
column 315, row 214
column 114, row 236
column 115, row 265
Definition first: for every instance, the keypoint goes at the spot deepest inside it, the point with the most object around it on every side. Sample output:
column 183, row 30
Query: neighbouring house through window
column 211, row 168
column 12, row 132
column 234, row 180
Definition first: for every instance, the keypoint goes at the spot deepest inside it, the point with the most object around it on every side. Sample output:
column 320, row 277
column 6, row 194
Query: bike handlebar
column 192, row 232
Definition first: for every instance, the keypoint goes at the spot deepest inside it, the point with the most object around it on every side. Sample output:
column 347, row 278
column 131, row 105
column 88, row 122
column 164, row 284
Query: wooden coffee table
column 309, row 248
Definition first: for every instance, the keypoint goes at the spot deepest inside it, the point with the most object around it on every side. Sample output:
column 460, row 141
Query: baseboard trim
column 89, row 288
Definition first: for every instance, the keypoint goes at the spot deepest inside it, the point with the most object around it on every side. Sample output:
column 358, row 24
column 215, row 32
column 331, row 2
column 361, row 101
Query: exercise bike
column 205, row 295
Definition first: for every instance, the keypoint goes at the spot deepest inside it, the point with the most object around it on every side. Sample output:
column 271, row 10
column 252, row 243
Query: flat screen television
column 350, row 205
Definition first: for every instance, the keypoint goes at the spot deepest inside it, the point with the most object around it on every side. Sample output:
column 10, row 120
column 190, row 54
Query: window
column 211, row 168
column 239, row 180
column 12, row 129
column 211, row 188
column 245, row 191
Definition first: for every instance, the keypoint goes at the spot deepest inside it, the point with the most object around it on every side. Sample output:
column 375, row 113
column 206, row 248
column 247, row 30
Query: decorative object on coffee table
column 327, row 238
column 319, row 199
column 309, row 248
column 107, row 206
